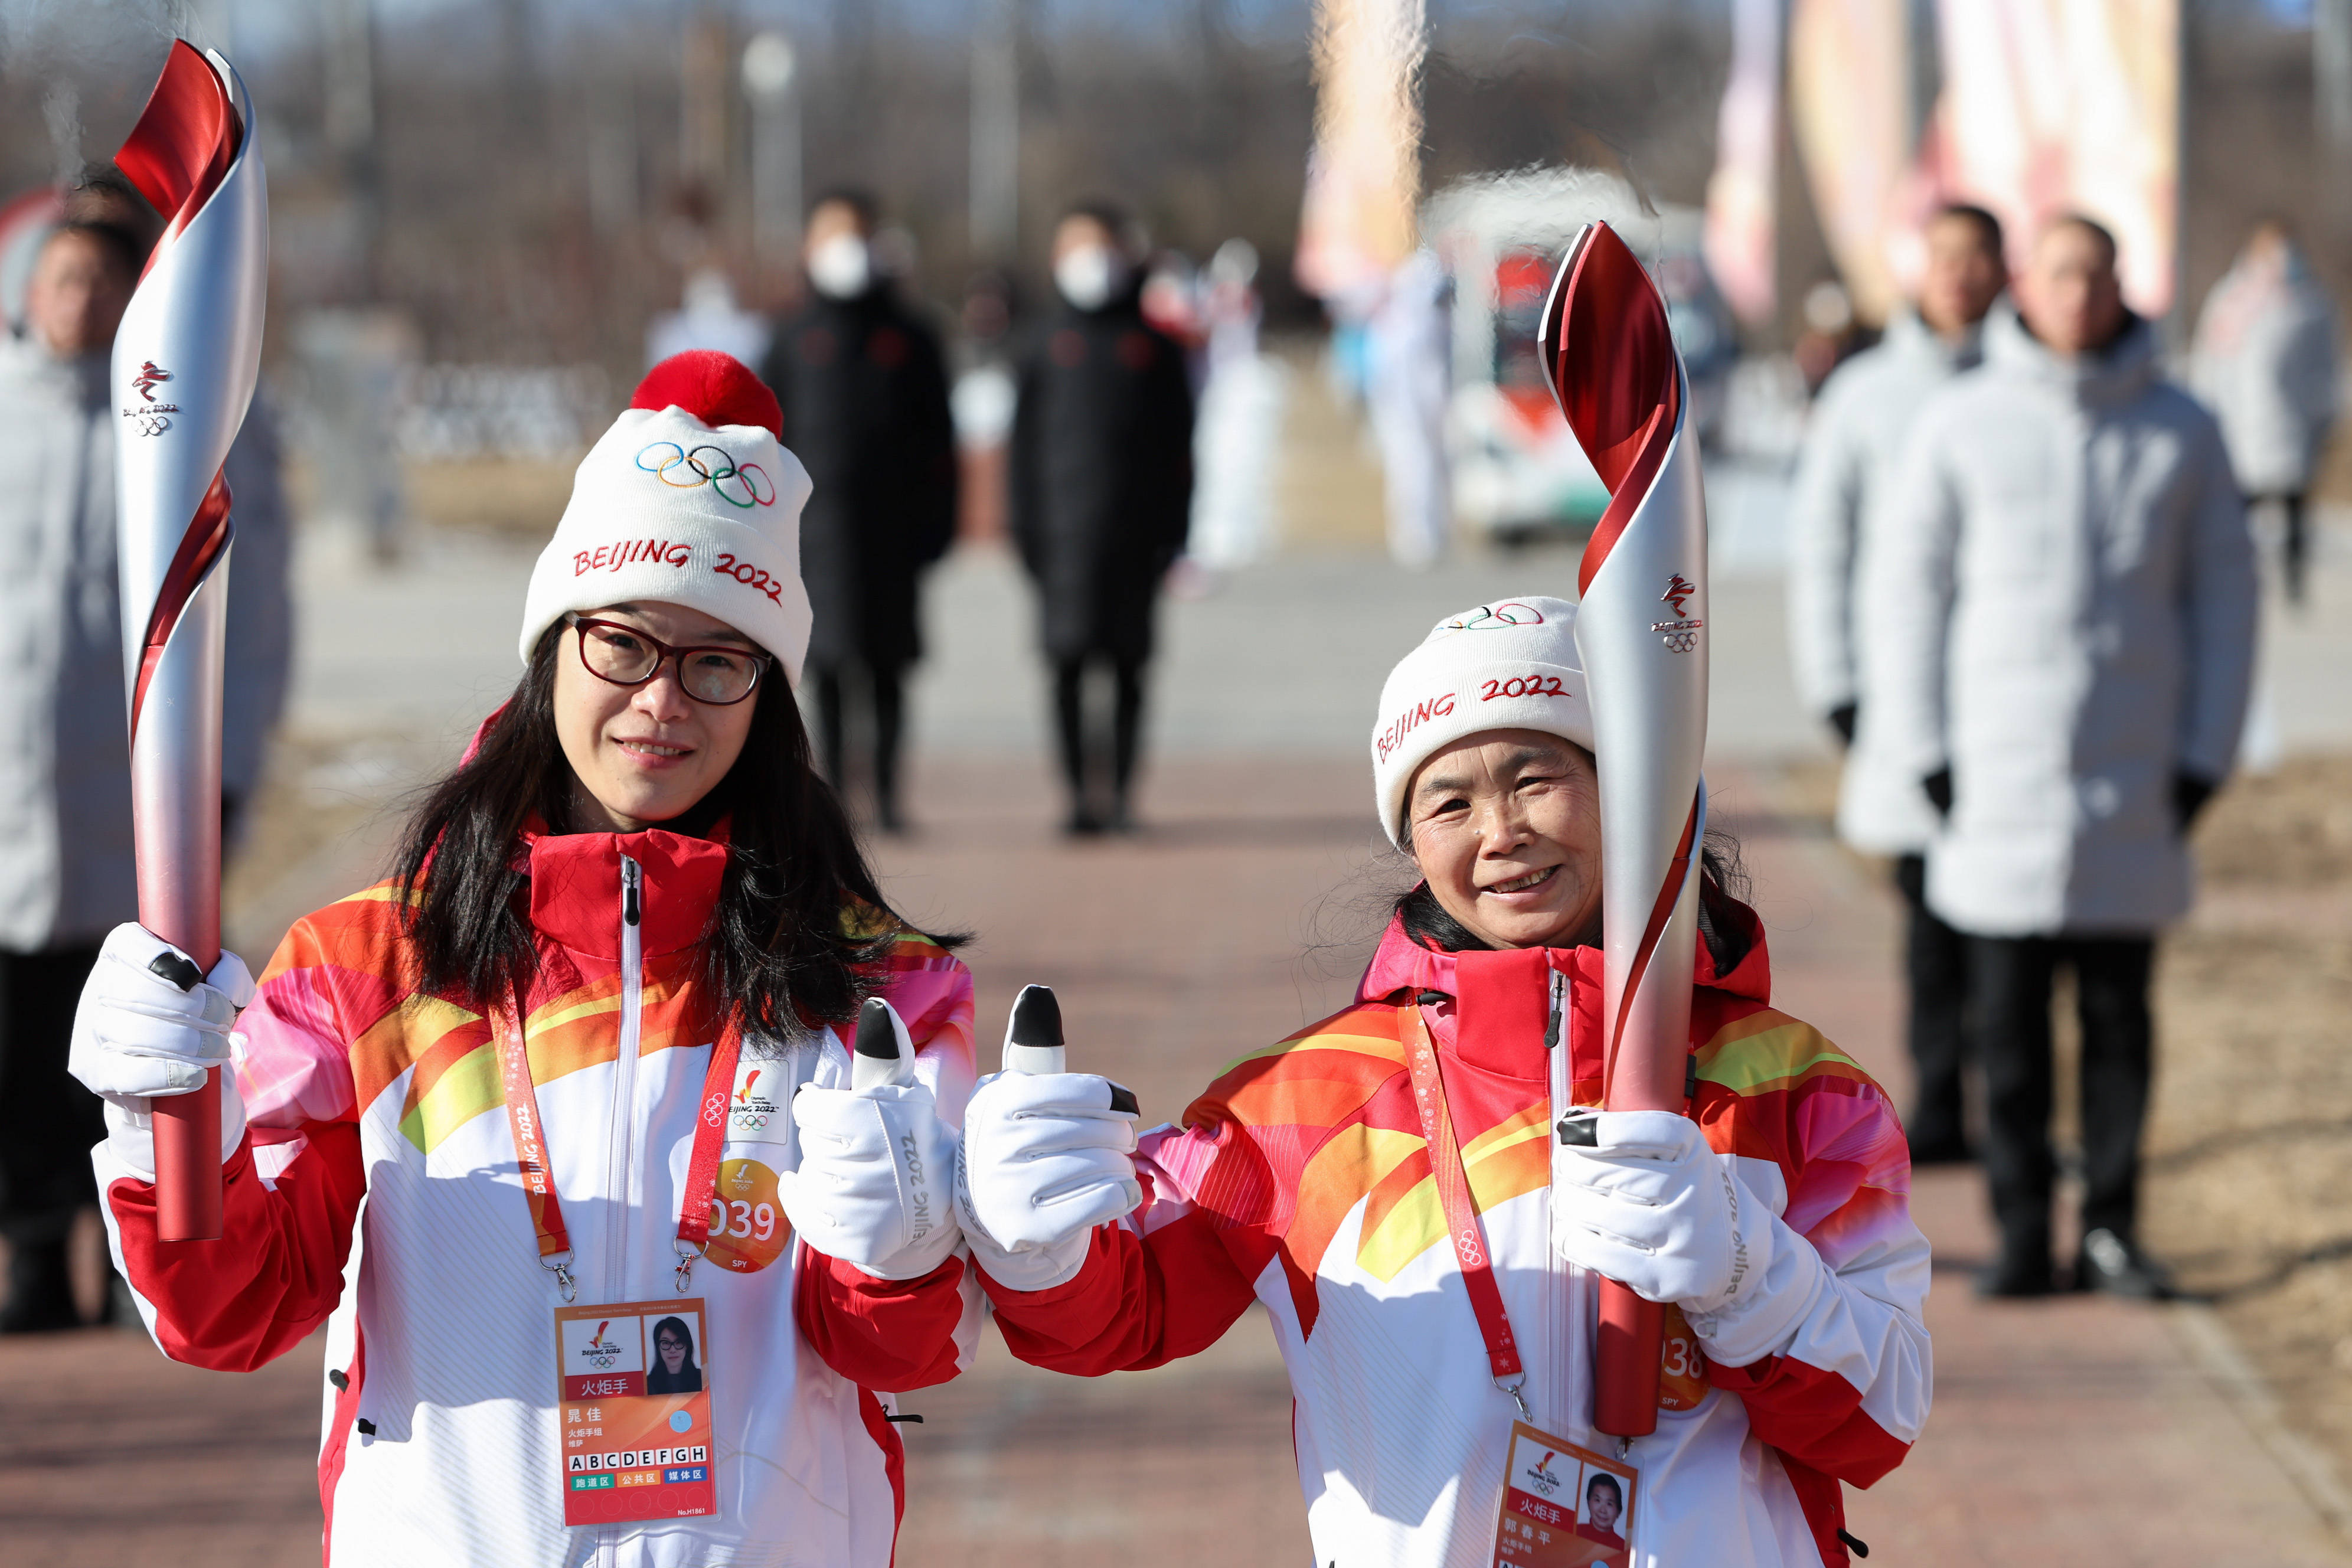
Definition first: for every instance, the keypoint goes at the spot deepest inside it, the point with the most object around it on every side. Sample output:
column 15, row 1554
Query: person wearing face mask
column 582, row 1057
column 1313, row 1178
column 2065, row 623
column 1101, row 494
column 864, row 389
column 1854, row 439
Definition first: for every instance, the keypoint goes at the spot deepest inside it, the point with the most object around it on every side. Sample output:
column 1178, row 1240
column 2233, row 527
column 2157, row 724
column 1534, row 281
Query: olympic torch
column 185, row 362
column 1640, row 631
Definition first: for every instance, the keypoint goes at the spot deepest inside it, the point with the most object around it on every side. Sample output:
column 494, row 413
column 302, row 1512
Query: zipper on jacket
column 624, row 1125
column 624, row 1079
column 1559, row 1282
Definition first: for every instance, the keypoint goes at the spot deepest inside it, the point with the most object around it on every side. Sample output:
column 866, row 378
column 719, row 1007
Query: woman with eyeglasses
column 673, row 1371
column 561, row 1054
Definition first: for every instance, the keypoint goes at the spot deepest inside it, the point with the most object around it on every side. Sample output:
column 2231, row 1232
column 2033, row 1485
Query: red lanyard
column 1462, row 1224
column 539, row 1182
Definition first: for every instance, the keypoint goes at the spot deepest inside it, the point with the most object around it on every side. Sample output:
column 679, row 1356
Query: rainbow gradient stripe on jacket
column 1328, row 1121
column 340, row 975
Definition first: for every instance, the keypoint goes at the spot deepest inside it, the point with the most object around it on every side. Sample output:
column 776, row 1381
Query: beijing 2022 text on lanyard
column 632, row 1378
column 1563, row 1505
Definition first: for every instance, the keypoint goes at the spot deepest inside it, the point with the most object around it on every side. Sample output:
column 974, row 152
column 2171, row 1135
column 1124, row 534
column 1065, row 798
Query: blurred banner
column 1363, row 174
column 2052, row 106
column 1739, row 194
column 1851, row 112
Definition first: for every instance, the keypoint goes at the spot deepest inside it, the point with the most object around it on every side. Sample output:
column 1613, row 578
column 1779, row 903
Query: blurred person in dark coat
column 864, row 388
column 1101, row 489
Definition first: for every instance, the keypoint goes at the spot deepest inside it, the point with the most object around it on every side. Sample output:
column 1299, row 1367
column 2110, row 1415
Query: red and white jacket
column 378, row 1194
column 1301, row 1180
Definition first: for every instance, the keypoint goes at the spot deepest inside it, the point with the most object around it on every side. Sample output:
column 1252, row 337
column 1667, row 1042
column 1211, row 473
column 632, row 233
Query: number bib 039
column 748, row 1228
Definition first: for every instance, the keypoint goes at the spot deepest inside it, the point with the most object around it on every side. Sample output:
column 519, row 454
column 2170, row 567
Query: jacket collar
column 575, row 889
column 82, row 378
column 1400, row 964
column 2117, row 373
column 1907, row 337
column 575, row 881
column 1495, row 1007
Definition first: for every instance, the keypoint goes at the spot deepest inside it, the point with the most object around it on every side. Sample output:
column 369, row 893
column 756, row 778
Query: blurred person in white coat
column 2066, row 605
column 1844, row 481
column 2265, row 362
column 67, row 874
column 1408, row 343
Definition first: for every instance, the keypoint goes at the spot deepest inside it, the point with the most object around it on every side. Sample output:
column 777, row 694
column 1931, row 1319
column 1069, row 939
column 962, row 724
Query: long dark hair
column 1723, row 886
column 777, row 954
column 685, row 1336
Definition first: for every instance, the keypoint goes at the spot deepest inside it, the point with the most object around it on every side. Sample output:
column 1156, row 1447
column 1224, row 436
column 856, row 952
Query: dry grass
column 520, row 496
column 2249, row 1174
column 2250, row 1146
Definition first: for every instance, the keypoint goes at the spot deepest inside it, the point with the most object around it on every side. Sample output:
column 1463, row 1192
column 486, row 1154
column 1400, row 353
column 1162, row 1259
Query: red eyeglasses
column 719, row 675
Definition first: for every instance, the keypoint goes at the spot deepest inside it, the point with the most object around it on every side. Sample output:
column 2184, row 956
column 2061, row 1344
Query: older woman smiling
column 1320, row 1177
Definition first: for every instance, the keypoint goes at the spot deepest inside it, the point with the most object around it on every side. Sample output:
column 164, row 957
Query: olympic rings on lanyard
column 727, row 479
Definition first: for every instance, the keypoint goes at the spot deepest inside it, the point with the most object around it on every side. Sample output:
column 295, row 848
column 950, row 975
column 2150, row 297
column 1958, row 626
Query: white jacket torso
column 1853, row 442
column 2066, row 609
column 377, row 1116
column 65, row 869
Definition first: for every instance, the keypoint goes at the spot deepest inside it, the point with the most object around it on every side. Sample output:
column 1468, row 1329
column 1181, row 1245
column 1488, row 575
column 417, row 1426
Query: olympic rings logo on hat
column 727, row 479
column 1496, row 617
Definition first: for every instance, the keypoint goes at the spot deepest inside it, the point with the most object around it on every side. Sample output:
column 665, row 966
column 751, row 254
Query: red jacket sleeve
column 894, row 1335
column 1813, row 1416
column 1845, row 1386
column 237, row 1303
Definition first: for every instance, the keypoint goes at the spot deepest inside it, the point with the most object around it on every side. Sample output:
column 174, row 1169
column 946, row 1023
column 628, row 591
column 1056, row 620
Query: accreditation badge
column 634, row 1385
column 1563, row 1505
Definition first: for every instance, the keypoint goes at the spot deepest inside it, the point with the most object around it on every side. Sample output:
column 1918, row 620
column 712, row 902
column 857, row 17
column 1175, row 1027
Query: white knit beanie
column 1511, row 665
column 690, row 498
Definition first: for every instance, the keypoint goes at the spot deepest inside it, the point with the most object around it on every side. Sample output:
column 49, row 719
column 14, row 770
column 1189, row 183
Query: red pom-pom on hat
column 716, row 388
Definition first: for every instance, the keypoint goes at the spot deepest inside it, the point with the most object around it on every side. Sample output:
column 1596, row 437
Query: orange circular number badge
column 1682, row 1364
column 748, row 1228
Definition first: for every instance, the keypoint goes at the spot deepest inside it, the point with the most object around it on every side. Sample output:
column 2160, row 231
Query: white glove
column 875, row 1179
column 1648, row 1204
column 139, row 1034
column 1046, row 1159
